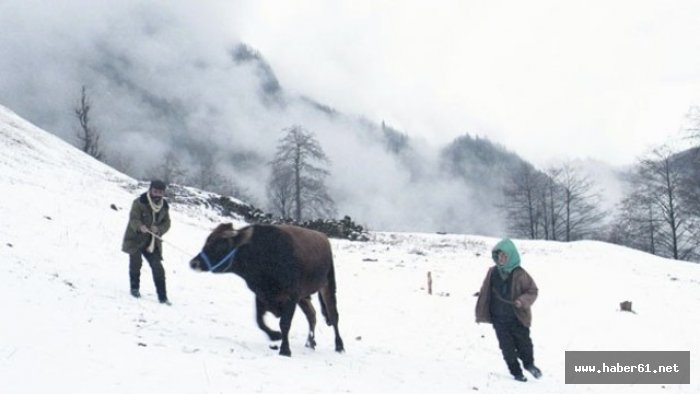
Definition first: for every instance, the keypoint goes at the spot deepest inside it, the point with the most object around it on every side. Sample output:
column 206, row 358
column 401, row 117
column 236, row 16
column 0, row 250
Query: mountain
column 480, row 162
column 161, row 90
column 165, row 91
column 71, row 326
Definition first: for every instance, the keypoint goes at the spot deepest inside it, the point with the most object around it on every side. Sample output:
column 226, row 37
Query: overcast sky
column 605, row 79
column 547, row 78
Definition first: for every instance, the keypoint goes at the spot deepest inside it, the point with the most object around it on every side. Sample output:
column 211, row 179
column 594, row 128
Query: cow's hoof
column 311, row 344
column 339, row 347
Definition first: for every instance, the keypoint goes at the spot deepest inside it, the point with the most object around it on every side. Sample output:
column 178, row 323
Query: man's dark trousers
column 155, row 261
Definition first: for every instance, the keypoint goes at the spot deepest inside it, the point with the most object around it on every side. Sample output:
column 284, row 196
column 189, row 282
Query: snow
column 70, row 324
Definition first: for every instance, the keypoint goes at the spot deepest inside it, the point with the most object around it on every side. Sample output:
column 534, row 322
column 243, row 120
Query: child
column 504, row 301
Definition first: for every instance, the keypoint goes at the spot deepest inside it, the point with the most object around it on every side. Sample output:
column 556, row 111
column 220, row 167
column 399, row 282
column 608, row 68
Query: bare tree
column 580, row 205
column 297, row 185
column 280, row 191
column 662, row 213
column 552, row 204
column 88, row 135
column 690, row 183
column 558, row 204
column 522, row 202
column 689, row 193
column 638, row 221
column 662, row 180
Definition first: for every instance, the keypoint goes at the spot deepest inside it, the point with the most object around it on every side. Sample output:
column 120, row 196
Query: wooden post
column 430, row 283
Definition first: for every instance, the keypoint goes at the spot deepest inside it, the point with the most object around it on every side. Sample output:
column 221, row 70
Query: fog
column 163, row 76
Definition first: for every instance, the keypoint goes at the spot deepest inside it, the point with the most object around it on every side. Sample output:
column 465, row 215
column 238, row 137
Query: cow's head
column 219, row 251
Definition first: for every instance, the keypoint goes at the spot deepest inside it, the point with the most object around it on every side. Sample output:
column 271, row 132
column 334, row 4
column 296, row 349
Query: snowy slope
column 70, row 326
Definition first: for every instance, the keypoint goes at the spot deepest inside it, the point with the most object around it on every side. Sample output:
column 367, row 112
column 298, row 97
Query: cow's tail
column 323, row 307
column 326, row 297
column 329, row 307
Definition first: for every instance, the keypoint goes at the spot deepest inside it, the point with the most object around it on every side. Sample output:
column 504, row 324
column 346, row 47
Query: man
column 505, row 299
column 148, row 221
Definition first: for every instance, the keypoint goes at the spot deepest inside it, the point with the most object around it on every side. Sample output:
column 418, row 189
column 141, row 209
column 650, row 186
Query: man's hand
column 154, row 230
column 143, row 228
column 518, row 304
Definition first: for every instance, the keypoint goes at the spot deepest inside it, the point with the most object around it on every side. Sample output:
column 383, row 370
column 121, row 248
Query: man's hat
column 157, row 184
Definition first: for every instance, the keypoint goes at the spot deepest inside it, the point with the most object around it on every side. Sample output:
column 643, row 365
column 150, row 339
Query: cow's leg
column 259, row 313
column 330, row 309
column 310, row 312
column 287, row 309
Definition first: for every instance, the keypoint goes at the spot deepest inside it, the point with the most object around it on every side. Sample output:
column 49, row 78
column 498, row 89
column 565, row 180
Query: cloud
column 542, row 78
column 164, row 77
column 535, row 74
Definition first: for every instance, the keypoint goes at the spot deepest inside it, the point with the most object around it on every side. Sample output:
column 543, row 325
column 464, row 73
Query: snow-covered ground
column 70, row 326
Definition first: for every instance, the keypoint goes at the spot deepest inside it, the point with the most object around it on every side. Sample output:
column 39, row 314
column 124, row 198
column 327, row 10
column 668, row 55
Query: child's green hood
column 508, row 247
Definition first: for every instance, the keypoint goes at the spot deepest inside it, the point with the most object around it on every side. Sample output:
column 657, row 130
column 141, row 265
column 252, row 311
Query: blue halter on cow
column 283, row 265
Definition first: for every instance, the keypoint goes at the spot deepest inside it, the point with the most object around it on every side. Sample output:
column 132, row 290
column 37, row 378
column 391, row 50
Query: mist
column 166, row 76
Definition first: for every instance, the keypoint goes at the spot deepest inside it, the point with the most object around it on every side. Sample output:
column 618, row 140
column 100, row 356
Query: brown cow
column 283, row 265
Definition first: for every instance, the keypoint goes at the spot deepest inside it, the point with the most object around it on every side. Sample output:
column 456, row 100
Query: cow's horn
column 229, row 234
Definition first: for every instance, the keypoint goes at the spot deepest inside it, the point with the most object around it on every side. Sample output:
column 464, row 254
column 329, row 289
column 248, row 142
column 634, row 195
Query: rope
column 169, row 243
column 495, row 292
